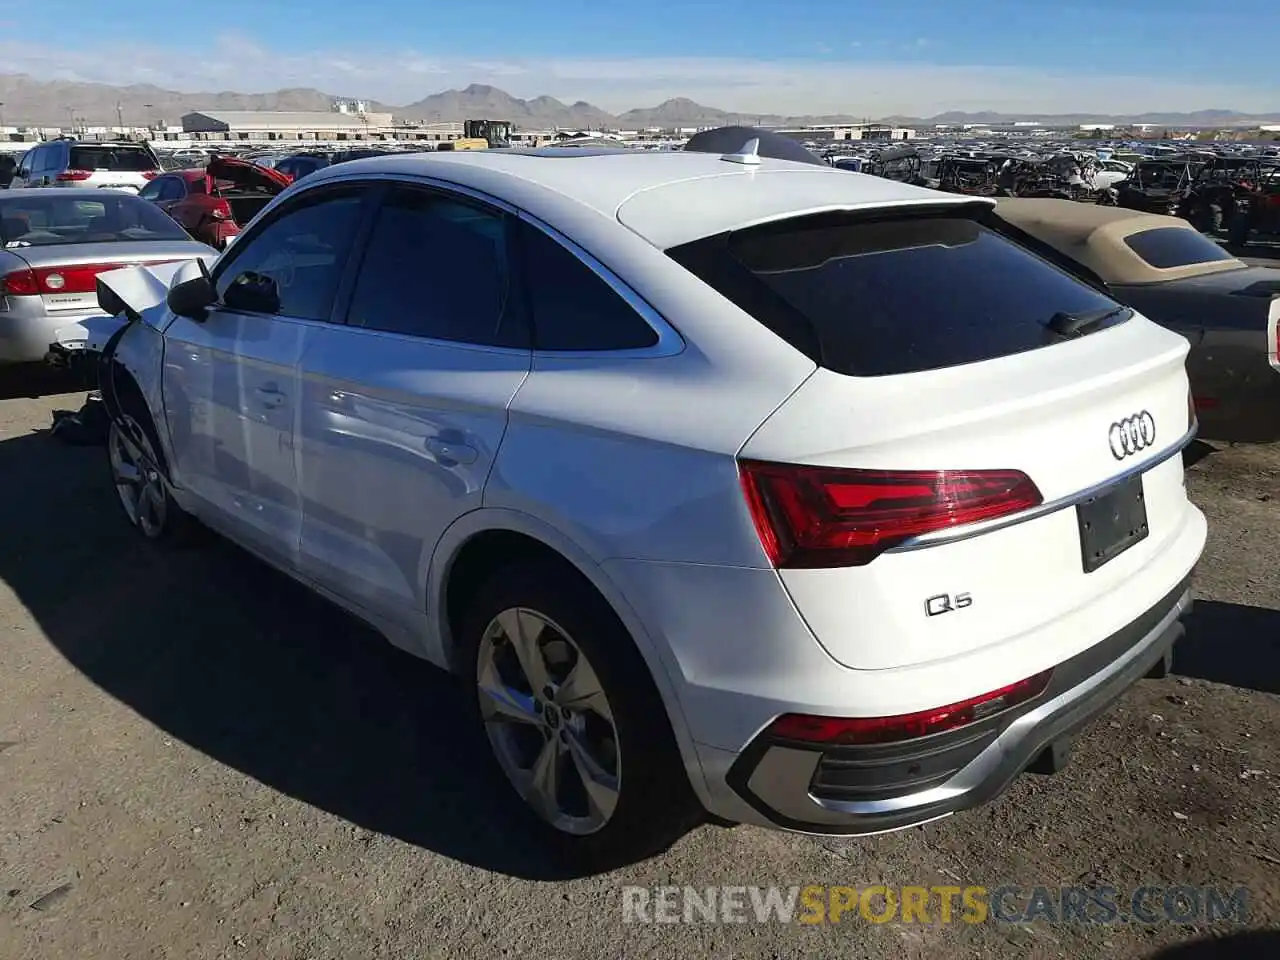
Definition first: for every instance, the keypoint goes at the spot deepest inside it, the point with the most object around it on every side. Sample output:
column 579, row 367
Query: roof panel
column 671, row 214
column 656, row 191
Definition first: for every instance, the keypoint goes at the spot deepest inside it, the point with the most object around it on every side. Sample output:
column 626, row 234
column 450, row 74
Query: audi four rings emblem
column 1132, row 434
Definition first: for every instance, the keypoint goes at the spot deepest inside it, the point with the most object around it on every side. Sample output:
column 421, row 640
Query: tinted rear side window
column 571, row 307
column 871, row 298
column 1167, row 247
column 115, row 159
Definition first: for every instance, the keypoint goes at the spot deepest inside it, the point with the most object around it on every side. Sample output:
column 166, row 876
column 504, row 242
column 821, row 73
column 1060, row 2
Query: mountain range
column 26, row 100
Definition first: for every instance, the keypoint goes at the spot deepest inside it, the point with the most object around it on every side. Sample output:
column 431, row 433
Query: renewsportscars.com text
column 876, row 903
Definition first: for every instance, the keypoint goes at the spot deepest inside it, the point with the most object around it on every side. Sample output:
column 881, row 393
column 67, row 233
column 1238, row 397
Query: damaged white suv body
column 730, row 485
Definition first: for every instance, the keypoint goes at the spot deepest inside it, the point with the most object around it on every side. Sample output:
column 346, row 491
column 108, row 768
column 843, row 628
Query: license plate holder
column 1111, row 522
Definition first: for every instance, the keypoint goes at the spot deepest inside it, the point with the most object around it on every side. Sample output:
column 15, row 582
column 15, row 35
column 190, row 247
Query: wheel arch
column 124, row 379
column 484, row 540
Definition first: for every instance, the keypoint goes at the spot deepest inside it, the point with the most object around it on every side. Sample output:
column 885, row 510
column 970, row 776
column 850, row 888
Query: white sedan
column 800, row 497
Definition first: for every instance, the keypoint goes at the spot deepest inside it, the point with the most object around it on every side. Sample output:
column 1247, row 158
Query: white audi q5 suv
column 732, row 485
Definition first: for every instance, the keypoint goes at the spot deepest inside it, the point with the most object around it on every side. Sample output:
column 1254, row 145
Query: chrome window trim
column 968, row 531
column 411, row 179
column 669, row 342
column 413, row 338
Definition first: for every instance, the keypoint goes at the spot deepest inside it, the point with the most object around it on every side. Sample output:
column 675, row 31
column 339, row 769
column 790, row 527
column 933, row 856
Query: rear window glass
column 872, row 298
column 115, row 159
column 45, row 218
column 1167, row 247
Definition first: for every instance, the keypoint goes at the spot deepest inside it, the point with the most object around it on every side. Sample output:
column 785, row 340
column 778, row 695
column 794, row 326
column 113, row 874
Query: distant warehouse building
column 848, row 131
column 272, row 125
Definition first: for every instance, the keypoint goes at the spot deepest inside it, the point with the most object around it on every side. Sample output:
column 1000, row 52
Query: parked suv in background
column 72, row 163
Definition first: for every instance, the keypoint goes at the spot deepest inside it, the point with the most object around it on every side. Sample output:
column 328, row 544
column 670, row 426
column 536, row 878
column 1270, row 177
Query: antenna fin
column 748, row 155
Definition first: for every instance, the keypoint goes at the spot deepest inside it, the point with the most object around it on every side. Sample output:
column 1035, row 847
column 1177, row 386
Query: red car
column 214, row 203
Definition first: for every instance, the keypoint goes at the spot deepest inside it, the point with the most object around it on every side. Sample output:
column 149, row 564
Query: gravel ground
column 198, row 759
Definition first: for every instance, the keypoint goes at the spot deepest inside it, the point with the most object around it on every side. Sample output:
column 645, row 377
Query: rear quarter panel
column 632, row 456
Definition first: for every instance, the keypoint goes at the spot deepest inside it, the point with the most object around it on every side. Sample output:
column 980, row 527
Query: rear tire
column 589, row 760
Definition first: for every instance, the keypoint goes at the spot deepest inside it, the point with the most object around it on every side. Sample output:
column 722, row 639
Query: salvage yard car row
column 1234, row 193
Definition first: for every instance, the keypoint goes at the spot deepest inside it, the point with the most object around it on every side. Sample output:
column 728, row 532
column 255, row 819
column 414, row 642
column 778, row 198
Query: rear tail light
column 76, row 278
column 73, row 176
column 150, row 174
column 829, row 517
column 837, row 731
column 20, row 283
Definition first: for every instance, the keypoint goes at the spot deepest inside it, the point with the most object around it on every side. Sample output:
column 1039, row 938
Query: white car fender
column 438, row 641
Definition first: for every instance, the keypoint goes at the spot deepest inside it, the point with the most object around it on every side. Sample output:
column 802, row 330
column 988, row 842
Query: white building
column 265, row 126
column 345, row 123
column 848, row 131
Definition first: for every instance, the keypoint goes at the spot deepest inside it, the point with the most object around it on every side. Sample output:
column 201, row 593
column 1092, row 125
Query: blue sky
column 753, row 55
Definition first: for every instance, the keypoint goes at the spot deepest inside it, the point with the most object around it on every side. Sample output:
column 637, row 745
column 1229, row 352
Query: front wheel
column 137, row 475
column 573, row 721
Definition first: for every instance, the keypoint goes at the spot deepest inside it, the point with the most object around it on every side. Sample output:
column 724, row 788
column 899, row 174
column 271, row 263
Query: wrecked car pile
column 1227, row 190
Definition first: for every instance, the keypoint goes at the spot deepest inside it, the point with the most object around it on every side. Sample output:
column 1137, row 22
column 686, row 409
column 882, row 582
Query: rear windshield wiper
column 1078, row 324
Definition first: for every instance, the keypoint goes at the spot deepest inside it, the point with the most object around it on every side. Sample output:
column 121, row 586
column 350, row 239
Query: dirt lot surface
column 198, row 759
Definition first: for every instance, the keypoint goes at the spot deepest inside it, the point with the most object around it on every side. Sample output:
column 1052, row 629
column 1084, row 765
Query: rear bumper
column 871, row 789
column 54, row 338
column 26, row 338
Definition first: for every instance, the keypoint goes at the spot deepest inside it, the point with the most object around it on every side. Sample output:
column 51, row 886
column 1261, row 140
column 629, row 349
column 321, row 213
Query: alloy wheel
column 135, row 470
column 549, row 721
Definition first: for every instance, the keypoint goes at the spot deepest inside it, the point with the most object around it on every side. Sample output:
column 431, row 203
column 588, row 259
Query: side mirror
column 192, row 298
column 253, row 292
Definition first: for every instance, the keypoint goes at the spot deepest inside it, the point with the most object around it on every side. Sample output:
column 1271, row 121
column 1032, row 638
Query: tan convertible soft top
column 1094, row 236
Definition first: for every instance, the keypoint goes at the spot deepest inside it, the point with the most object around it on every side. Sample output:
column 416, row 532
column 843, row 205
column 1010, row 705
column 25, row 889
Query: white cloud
column 870, row 88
